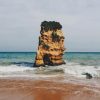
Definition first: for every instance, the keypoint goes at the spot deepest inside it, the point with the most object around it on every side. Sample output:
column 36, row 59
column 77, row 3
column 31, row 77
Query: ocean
column 77, row 65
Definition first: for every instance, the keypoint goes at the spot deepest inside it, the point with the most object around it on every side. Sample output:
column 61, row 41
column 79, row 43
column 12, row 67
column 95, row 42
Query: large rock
column 51, row 45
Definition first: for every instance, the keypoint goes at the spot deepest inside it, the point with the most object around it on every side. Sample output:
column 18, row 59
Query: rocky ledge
column 51, row 45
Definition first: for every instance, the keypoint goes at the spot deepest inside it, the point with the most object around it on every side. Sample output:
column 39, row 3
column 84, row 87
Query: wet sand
column 41, row 89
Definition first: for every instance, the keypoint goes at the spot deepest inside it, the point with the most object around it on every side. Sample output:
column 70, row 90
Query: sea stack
column 51, row 45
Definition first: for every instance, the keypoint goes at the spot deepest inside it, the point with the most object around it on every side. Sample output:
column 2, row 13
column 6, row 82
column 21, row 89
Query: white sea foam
column 13, row 68
column 73, row 69
column 80, row 70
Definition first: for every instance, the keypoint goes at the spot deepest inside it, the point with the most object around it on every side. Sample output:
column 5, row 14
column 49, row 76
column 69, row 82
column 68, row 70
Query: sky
column 20, row 23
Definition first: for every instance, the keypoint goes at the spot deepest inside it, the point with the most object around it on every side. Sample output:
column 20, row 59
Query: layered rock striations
column 51, row 45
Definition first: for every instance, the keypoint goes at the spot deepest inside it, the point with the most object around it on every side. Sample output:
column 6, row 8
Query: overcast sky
column 20, row 23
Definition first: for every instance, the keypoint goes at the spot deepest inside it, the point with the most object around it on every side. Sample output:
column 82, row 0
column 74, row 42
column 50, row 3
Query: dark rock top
column 50, row 25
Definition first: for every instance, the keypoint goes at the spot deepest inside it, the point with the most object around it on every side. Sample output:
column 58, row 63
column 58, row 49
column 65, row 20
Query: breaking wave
column 70, row 68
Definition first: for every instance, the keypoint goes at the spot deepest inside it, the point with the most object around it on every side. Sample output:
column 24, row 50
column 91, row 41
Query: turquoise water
column 27, row 58
column 84, row 58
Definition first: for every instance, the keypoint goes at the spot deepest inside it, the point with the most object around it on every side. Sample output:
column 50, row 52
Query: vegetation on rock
column 40, row 41
column 45, row 46
column 55, row 37
column 50, row 25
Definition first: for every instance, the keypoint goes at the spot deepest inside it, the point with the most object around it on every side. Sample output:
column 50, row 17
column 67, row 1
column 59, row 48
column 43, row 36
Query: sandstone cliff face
column 51, row 45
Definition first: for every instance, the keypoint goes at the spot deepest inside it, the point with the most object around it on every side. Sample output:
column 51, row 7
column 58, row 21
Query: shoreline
column 45, row 89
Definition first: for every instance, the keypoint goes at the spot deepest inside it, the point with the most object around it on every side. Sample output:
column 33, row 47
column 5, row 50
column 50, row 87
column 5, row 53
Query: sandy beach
column 44, row 89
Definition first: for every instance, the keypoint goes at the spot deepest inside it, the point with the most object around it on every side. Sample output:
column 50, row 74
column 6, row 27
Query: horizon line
column 36, row 51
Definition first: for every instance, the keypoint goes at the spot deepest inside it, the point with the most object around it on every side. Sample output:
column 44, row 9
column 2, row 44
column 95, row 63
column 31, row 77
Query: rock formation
column 51, row 45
